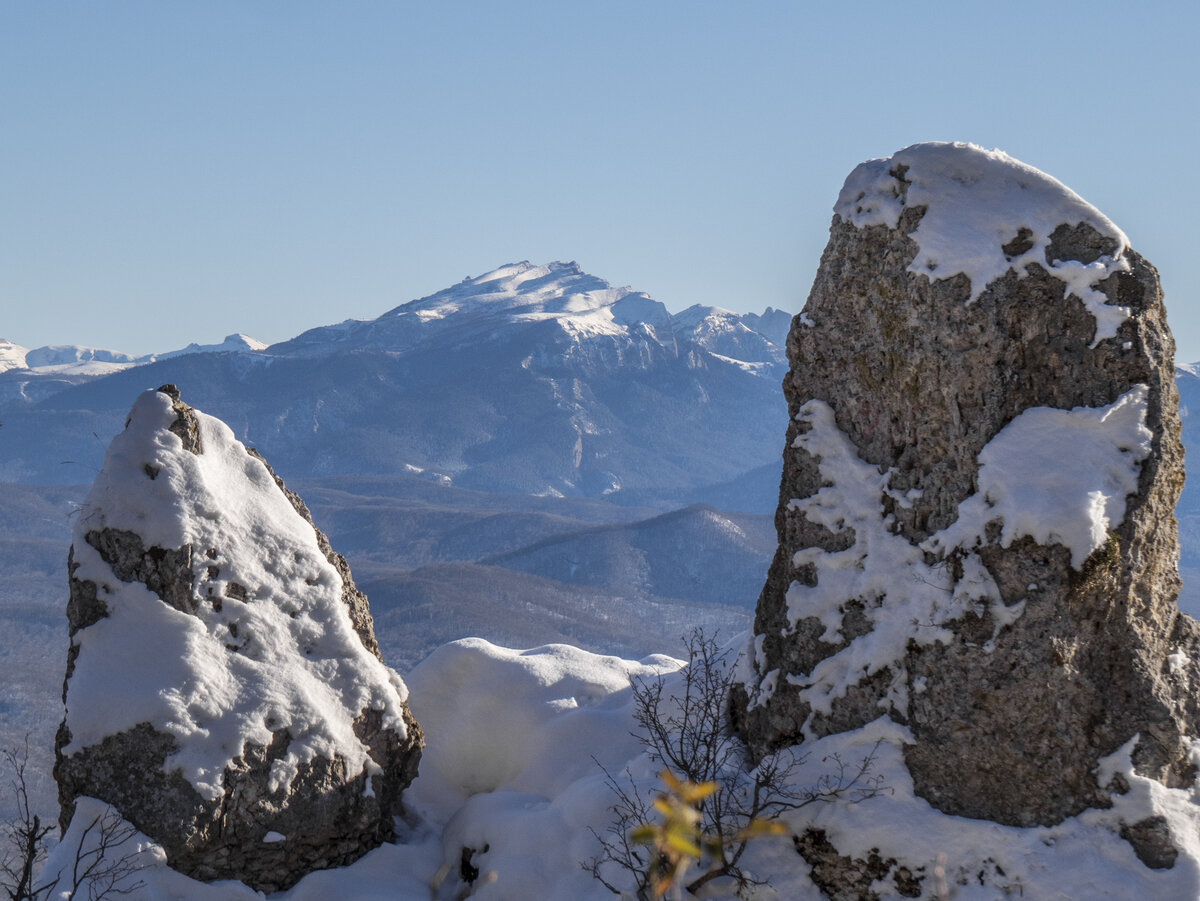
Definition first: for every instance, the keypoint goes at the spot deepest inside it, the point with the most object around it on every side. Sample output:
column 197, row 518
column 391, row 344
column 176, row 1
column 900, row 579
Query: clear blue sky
column 174, row 172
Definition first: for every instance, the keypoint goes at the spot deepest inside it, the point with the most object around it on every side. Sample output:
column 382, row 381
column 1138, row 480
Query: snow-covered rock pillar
column 976, row 531
column 224, row 689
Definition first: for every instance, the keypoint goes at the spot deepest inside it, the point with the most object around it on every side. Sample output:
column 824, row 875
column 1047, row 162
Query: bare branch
column 107, row 868
column 24, row 836
column 104, row 863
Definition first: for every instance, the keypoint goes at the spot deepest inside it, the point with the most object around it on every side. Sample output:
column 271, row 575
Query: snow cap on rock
column 984, row 214
column 220, row 648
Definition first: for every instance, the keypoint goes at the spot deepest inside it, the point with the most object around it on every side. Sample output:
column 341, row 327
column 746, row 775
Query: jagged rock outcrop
column 975, row 522
column 224, row 689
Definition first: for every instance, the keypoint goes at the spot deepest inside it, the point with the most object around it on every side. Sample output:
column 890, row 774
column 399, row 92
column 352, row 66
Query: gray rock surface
column 1016, row 659
column 327, row 814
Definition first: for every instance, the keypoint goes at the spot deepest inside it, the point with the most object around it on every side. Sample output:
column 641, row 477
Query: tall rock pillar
column 976, row 530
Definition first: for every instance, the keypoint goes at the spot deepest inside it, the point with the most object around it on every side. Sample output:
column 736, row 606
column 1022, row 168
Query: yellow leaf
column 760, row 828
column 697, row 791
column 685, row 789
column 643, row 834
column 674, row 783
column 682, row 843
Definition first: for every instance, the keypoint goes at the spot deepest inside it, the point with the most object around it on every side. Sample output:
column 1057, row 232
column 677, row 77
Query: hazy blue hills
column 665, row 556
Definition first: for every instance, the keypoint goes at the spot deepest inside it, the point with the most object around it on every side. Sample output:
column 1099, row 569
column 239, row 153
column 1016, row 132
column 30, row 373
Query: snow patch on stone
column 1081, row 857
column 977, row 201
column 903, row 597
column 1057, row 476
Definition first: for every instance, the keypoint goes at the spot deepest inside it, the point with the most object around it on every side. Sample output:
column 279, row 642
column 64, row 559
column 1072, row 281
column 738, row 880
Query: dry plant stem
column 103, row 868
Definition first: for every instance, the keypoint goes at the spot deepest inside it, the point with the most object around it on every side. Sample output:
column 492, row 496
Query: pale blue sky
column 174, row 172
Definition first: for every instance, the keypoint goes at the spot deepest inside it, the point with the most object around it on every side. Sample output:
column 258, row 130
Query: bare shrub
column 24, row 836
column 104, row 864
column 686, row 730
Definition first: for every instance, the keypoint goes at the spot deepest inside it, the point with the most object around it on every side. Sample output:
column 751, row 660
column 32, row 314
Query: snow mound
column 496, row 718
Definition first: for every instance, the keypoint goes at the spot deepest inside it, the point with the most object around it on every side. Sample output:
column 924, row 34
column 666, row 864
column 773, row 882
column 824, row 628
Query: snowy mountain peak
column 725, row 334
column 235, row 342
column 512, row 275
column 697, row 313
column 521, row 288
column 12, row 356
column 580, row 305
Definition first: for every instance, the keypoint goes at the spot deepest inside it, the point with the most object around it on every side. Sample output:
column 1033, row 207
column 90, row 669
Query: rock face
column 975, row 522
column 224, row 690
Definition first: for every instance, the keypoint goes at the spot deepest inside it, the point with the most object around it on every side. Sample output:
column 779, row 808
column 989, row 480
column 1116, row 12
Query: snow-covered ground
column 512, row 765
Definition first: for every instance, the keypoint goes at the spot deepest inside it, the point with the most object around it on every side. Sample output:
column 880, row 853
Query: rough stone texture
column 1009, row 721
column 844, row 878
column 327, row 813
column 185, row 425
column 1151, row 840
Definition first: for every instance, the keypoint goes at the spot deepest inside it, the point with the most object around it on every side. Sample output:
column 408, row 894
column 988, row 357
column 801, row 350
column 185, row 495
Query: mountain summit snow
column 560, row 294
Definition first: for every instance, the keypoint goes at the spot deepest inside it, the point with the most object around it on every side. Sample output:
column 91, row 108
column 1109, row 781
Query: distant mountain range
column 94, row 361
column 44, row 370
column 529, row 379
